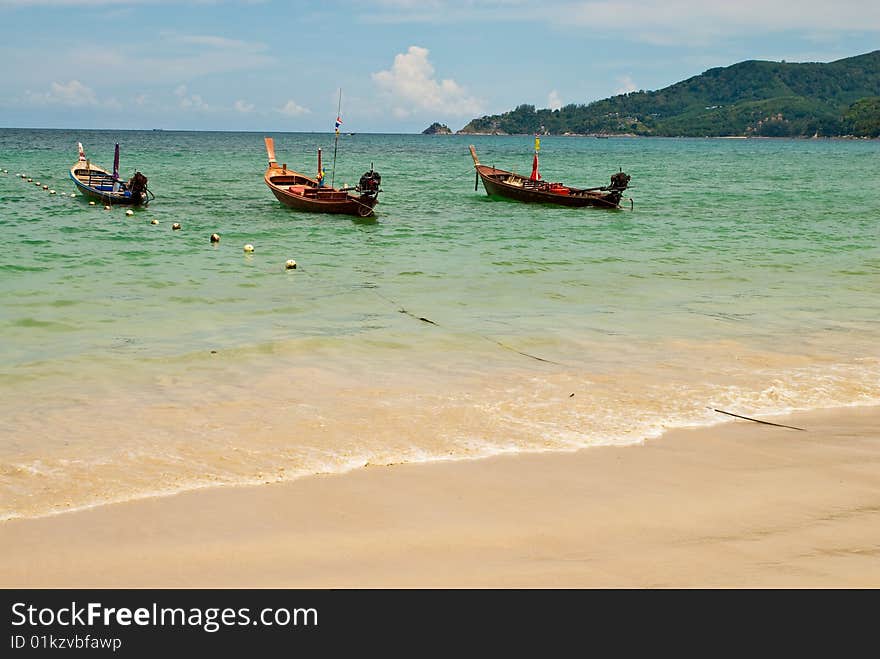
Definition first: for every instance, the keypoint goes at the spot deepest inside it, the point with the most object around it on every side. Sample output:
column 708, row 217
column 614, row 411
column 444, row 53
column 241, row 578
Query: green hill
column 774, row 99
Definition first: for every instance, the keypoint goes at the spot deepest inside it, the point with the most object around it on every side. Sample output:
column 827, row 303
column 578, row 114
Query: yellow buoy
column 215, row 237
column 106, row 208
column 249, row 248
column 290, row 265
column 154, row 221
column 175, row 226
column 91, row 203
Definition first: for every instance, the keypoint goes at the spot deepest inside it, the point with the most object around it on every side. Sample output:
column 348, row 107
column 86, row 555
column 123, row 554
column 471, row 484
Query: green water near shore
column 747, row 272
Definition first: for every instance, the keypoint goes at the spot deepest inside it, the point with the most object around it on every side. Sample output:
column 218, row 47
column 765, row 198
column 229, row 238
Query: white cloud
column 170, row 58
column 554, row 100
column 667, row 22
column 190, row 101
column 52, row 3
column 213, row 41
column 115, row 3
column 696, row 22
column 397, row 5
column 454, row 11
column 625, row 85
column 243, row 106
column 412, row 86
column 71, row 94
column 293, row 109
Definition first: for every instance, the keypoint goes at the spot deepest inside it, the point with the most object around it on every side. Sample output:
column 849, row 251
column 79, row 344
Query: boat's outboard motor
column 138, row 186
column 619, row 181
column 368, row 187
column 369, row 183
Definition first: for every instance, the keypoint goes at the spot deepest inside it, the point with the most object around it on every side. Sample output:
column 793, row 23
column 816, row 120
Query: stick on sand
column 767, row 423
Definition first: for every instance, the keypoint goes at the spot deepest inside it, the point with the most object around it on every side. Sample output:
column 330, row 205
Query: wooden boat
column 97, row 183
column 309, row 194
column 501, row 183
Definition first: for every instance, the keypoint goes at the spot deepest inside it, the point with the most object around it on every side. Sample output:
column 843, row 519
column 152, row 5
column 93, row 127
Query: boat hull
column 348, row 206
column 303, row 194
column 509, row 185
column 493, row 183
column 106, row 196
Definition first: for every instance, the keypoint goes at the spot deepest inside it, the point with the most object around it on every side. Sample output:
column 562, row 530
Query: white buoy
column 106, row 208
column 45, row 187
column 129, row 212
column 249, row 248
column 290, row 265
column 154, row 221
column 215, row 237
column 91, row 203
column 51, row 192
column 175, row 226
column 72, row 195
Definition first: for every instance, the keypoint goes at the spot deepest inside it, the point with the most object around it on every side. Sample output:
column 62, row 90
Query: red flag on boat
column 535, row 175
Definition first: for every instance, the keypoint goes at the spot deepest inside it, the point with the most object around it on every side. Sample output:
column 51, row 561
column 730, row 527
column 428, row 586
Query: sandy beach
column 735, row 505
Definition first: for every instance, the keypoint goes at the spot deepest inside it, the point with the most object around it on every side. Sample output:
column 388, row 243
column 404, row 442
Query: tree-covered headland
column 752, row 98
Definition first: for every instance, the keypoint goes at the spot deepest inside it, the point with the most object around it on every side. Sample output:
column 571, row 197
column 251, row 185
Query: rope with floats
column 423, row 319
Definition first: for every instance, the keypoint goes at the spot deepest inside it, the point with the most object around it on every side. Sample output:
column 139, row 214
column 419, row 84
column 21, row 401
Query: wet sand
column 735, row 505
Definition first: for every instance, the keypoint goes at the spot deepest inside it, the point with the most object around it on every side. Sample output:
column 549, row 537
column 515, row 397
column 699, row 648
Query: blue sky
column 266, row 65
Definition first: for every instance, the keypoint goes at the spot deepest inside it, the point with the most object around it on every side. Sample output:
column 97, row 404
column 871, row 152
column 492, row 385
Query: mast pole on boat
column 320, row 175
column 336, row 143
column 116, row 168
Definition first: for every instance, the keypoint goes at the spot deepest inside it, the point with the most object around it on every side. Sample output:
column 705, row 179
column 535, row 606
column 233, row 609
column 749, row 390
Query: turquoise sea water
column 137, row 360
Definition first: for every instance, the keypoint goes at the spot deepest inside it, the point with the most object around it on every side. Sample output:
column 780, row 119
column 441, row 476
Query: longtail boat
column 502, row 183
column 313, row 194
column 305, row 193
column 97, row 183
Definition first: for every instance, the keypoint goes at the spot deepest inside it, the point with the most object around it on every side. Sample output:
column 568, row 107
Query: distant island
column 752, row 98
column 437, row 129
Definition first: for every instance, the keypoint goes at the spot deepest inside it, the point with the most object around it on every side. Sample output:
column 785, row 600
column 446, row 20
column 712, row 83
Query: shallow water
column 138, row 360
